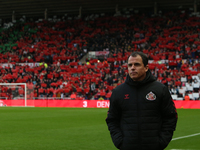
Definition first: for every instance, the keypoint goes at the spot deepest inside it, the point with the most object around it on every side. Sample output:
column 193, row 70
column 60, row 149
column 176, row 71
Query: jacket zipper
column 138, row 118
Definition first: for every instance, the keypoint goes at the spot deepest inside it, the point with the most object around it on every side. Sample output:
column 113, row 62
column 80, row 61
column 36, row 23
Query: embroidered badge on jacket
column 126, row 96
column 151, row 96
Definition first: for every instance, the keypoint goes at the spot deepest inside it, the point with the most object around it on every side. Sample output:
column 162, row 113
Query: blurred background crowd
column 85, row 58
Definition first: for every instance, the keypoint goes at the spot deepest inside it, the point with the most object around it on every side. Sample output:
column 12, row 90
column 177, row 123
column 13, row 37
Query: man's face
column 136, row 69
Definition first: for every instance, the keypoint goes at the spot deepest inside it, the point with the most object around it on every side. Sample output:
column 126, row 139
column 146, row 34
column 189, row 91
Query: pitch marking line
column 182, row 137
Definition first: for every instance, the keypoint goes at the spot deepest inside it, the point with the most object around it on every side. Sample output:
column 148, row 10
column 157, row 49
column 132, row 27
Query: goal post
column 21, row 92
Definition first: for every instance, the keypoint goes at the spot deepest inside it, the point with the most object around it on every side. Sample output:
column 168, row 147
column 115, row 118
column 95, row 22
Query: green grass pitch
column 77, row 129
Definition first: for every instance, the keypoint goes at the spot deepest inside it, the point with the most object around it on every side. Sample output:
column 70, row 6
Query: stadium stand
column 52, row 55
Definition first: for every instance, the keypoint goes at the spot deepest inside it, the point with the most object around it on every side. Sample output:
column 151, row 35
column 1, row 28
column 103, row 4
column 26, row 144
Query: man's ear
column 146, row 68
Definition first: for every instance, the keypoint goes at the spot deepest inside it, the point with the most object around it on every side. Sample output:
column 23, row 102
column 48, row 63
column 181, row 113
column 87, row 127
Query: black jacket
column 142, row 115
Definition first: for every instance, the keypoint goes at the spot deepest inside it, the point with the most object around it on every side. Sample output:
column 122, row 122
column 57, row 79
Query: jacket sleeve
column 169, row 118
column 113, row 121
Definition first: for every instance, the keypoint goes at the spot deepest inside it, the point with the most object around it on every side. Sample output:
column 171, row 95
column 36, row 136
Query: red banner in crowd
column 83, row 103
column 99, row 53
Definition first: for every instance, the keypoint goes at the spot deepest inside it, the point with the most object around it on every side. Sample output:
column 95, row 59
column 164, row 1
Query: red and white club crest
column 151, row 96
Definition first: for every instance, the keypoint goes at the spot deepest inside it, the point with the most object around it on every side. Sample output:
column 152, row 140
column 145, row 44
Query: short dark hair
column 143, row 56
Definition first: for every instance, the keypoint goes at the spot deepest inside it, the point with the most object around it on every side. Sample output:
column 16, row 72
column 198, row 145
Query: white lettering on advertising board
column 103, row 104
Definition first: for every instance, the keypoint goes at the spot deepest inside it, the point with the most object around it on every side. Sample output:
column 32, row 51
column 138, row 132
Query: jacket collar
column 149, row 78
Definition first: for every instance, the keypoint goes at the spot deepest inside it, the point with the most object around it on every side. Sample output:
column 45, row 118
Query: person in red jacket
column 186, row 98
column 73, row 96
column 142, row 115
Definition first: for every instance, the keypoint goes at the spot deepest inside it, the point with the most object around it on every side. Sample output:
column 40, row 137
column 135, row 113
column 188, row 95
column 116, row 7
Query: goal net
column 16, row 94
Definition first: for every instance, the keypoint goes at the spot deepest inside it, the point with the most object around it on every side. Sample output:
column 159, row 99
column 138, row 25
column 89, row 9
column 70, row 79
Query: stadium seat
column 191, row 96
column 174, row 96
column 195, row 96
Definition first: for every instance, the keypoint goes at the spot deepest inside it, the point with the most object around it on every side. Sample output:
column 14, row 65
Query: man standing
column 142, row 115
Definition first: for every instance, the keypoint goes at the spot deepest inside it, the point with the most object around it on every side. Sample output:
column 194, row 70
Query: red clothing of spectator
column 178, row 83
column 73, row 96
column 187, row 98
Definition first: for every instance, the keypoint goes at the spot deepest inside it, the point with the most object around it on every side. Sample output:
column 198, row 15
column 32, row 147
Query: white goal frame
column 25, row 90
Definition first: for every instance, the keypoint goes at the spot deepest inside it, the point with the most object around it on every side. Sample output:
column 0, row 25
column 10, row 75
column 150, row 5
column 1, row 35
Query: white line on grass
column 182, row 137
column 180, row 149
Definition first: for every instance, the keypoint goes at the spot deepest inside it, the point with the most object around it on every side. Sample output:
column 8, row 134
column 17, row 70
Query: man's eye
column 137, row 64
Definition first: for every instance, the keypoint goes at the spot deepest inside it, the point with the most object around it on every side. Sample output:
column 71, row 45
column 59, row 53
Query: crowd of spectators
column 48, row 54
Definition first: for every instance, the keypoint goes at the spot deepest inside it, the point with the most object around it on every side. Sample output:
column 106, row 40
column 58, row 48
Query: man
column 142, row 115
